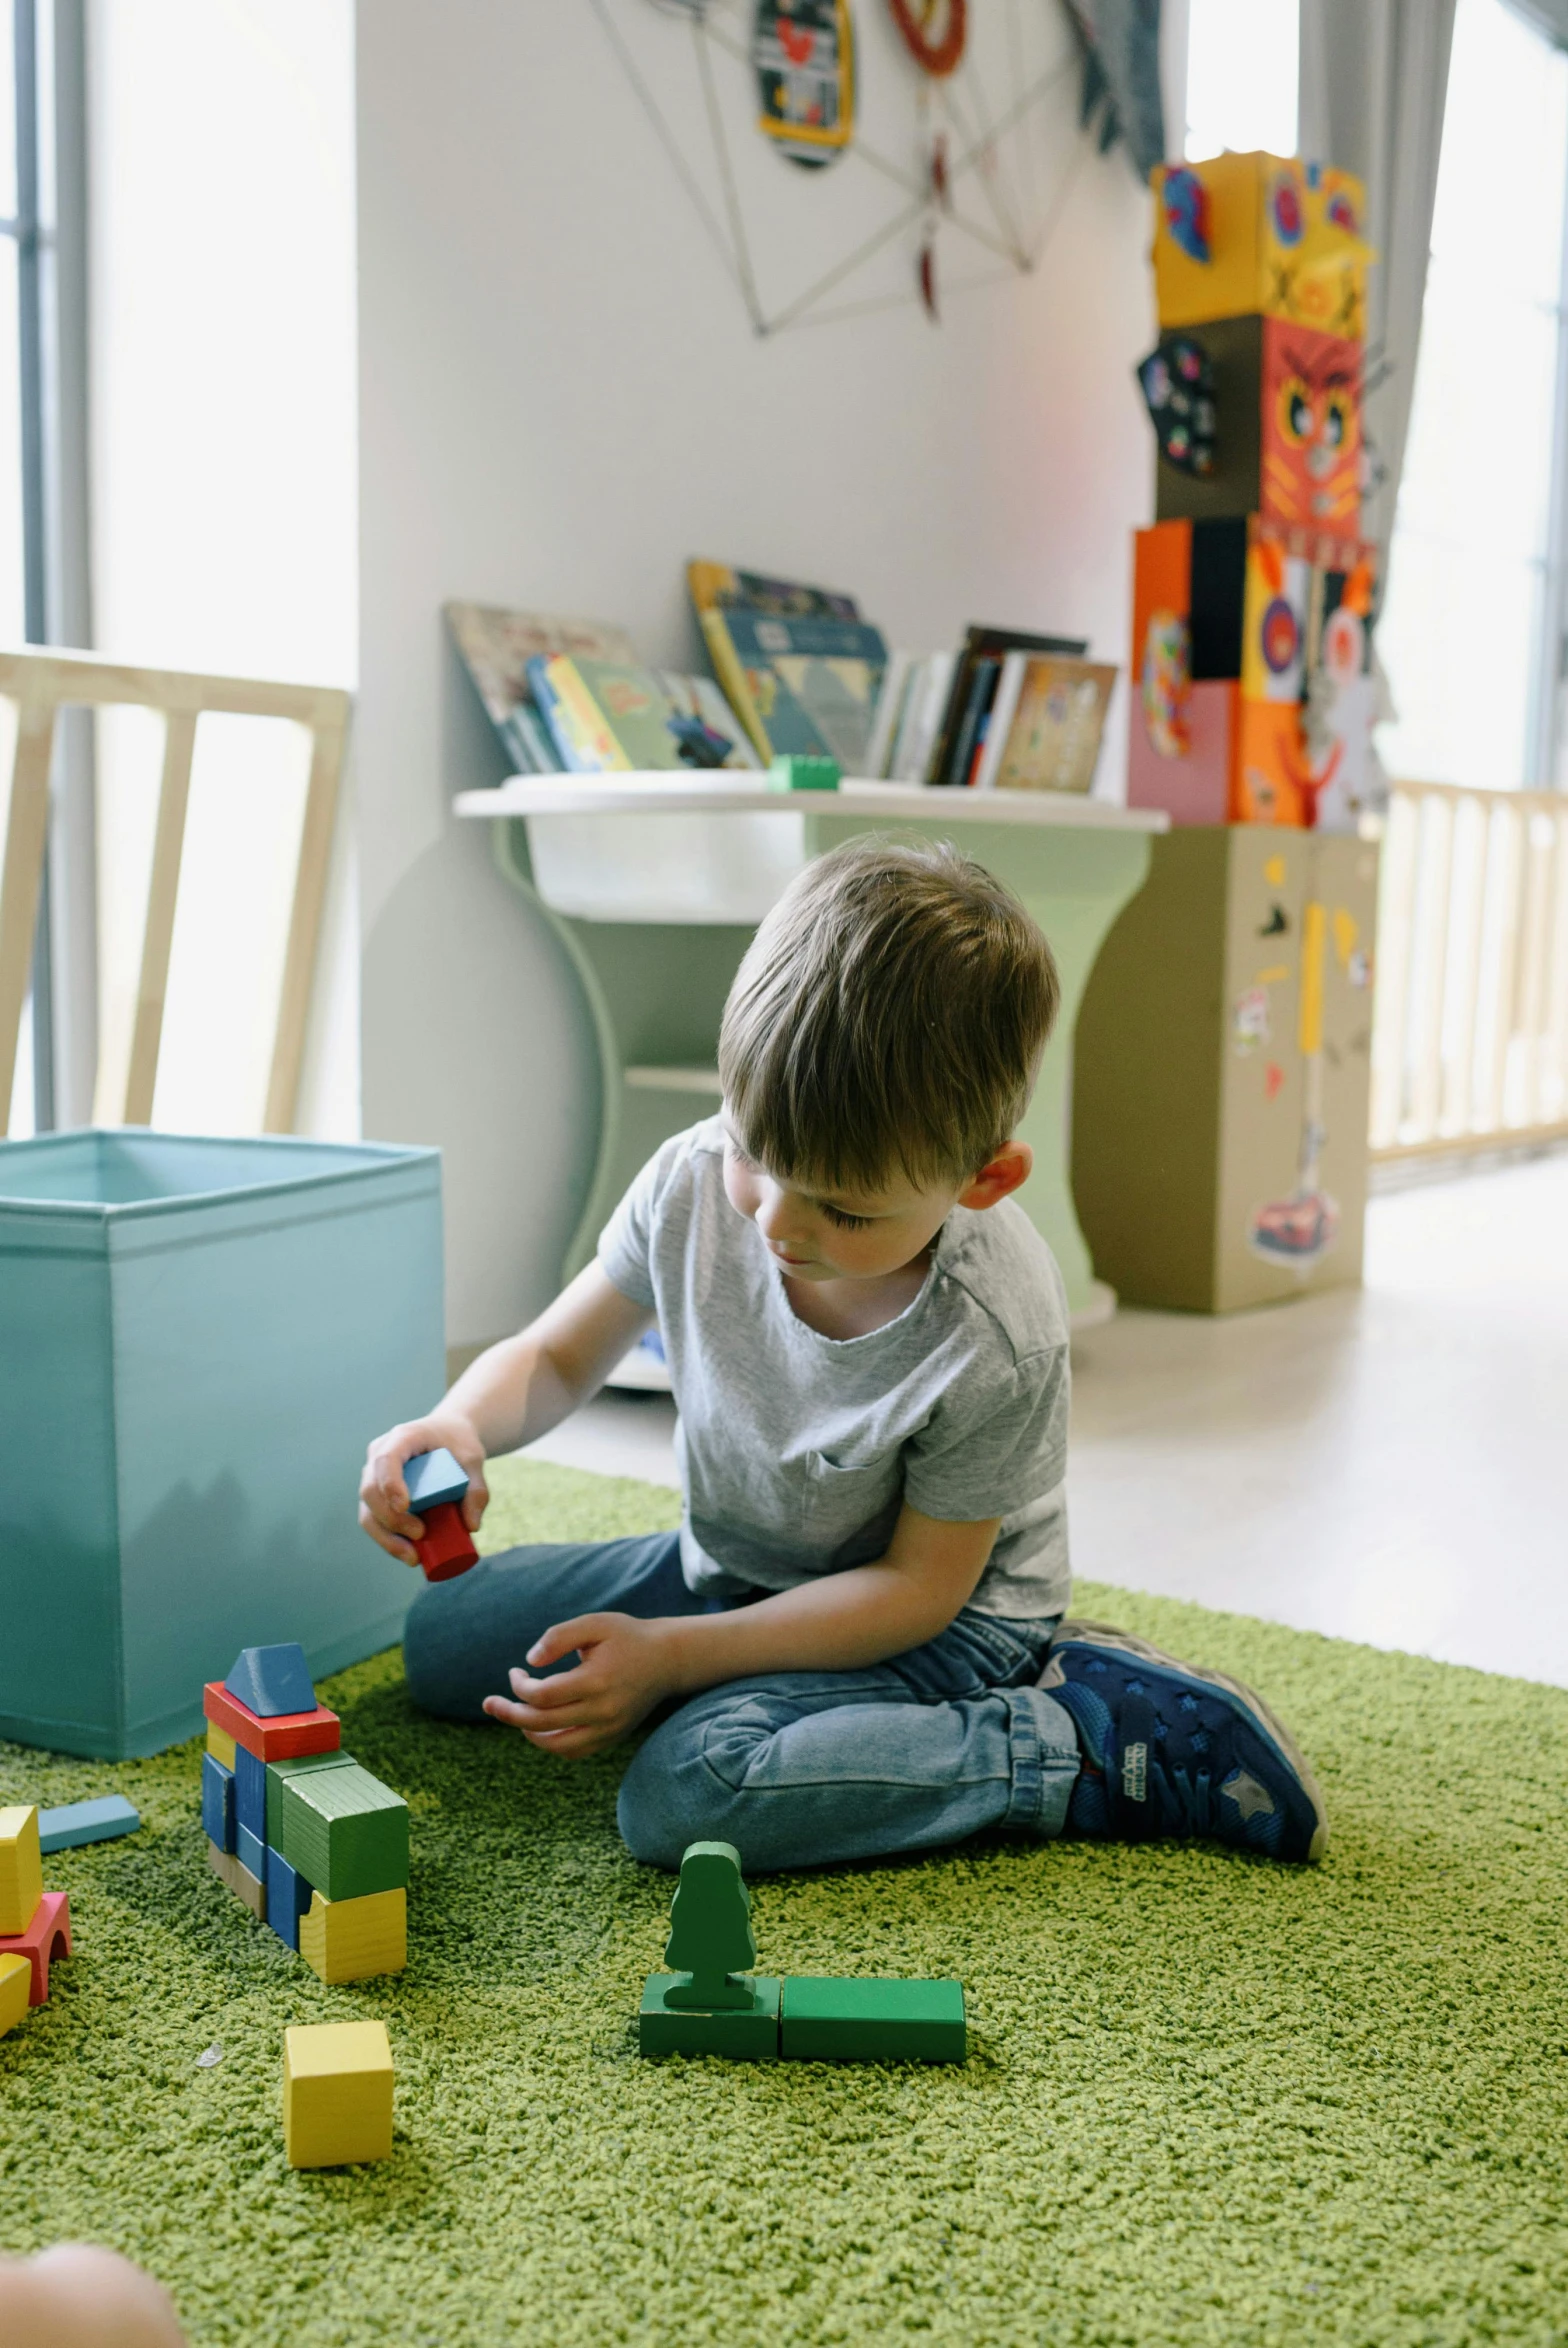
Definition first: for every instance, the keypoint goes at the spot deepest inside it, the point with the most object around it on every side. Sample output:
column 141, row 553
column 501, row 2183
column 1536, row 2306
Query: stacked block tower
column 1253, row 593
column 314, row 1845
column 35, row 1925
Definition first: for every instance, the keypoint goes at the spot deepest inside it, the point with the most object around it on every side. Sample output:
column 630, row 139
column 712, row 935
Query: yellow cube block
column 220, row 1744
column 21, row 1869
column 16, row 1981
column 337, row 2094
column 350, row 1940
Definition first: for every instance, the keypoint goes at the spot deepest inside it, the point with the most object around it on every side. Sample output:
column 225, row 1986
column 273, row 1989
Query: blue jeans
column 797, row 1768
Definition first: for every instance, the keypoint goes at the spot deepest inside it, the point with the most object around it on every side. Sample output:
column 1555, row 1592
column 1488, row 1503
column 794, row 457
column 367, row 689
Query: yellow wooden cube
column 337, row 2094
column 351, row 1940
column 16, row 1981
column 21, row 1869
column 220, row 1744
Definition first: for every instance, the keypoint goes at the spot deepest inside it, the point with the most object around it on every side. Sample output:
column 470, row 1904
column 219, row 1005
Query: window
column 1473, row 609
column 1242, row 76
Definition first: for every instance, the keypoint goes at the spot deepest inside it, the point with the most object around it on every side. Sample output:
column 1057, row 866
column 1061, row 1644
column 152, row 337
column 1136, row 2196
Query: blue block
column 288, row 1896
column 251, row 1852
column 217, row 1803
column 250, row 1793
column 102, row 1821
column 431, row 1477
column 197, row 1341
column 272, row 1680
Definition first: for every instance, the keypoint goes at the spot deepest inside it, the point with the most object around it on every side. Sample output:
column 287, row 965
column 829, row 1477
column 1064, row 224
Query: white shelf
column 667, row 794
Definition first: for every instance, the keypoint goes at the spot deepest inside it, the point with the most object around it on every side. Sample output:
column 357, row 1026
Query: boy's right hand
column 383, row 1491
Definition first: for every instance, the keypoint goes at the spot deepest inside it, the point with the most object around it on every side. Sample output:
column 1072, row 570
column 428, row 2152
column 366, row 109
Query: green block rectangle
column 744, row 2035
column 345, row 1832
column 277, row 1771
column 826, row 2021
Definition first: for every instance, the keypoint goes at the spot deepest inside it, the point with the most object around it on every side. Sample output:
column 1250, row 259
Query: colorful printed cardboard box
column 1264, row 233
column 1284, row 432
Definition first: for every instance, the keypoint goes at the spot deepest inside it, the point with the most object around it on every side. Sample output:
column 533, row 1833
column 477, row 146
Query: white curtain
column 1374, row 76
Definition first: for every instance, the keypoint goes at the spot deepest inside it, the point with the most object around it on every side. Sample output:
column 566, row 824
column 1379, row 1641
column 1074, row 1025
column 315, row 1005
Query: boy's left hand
column 623, row 1671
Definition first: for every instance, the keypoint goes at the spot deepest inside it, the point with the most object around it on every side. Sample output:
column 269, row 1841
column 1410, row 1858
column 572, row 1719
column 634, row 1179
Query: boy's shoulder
column 1006, row 1272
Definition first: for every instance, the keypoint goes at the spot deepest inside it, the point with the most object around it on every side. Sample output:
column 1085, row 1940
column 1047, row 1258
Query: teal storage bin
column 197, row 1340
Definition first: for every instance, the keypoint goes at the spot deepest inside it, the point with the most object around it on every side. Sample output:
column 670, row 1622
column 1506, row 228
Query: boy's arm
column 863, row 1615
column 515, row 1392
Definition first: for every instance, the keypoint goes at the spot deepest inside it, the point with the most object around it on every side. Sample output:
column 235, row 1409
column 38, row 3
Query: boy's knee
column 439, row 1658
column 670, row 1798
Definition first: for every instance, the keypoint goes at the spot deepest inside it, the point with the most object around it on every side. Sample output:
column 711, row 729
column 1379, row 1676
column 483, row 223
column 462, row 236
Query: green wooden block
column 345, row 1832
column 744, row 2035
column 794, row 773
column 277, row 1771
column 825, row 2021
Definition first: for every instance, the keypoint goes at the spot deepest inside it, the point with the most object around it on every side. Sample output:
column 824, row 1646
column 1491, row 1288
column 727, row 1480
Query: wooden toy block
column 75, row 1823
column 711, row 1940
column 433, row 1477
column 220, row 1744
column 797, row 773
column 872, row 2021
column 345, row 1832
column 277, row 1771
column 354, row 1940
column 46, row 1940
column 288, row 1896
column 748, row 2033
column 337, row 2094
column 21, row 1868
column 217, row 1803
column 447, row 1548
column 250, row 1792
column 280, row 1739
column 16, row 1980
column 240, row 1880
column 272, row 1681
column 251, row 1851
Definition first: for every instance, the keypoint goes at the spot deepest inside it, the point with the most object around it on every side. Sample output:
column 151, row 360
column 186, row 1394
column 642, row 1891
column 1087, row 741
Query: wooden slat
column 158, row 929
column 1459, row 1095
column 1401, row 858
column 26, row 835
column 1494, row 1098
column 310, row 888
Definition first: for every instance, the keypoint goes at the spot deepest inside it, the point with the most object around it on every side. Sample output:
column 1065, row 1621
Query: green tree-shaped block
column 710, row 1931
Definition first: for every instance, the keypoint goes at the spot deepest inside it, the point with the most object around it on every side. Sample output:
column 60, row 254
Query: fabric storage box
column 197, row 1340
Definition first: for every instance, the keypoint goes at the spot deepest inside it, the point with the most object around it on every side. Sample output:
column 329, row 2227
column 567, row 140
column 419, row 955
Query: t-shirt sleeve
column 993, row 1444
column 626, row 1242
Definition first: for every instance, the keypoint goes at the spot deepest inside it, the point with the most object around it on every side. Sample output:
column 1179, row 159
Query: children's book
column 896, row 680
column 699, row 700
column 981, row 643
column 606, row 716
column 716, row 590
column 1047, row 720
column 496, row 646
column 929, row 686
column 813, row 682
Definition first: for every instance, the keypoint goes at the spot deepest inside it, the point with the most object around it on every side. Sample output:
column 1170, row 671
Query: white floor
column 1387, row 1464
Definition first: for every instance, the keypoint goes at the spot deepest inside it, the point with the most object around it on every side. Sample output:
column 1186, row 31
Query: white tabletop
column 731, row 793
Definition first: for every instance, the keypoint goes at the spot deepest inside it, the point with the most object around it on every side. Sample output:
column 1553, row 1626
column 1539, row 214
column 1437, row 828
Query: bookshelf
column 654, row 885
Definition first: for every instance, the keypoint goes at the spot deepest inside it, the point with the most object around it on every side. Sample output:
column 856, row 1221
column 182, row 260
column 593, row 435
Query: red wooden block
column 46, row 1940
column 284, row 1738
column 446, row 1549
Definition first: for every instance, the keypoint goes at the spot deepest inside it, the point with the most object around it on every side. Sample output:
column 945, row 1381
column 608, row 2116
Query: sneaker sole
column 1103, row 1634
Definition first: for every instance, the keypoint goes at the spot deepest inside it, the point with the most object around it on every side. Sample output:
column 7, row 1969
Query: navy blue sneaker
column 1172, row 1750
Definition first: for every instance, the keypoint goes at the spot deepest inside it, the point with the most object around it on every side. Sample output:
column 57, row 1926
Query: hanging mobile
column 804, row 55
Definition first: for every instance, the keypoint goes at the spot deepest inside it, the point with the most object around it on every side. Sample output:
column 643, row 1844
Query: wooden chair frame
column 43, row 682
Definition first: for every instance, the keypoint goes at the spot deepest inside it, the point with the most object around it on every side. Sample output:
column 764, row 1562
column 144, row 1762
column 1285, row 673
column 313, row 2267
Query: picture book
column 496, row 646
column 716, row 590
column 930, row 683
column 699, row 700
column 981, row 643
column 605, row 716
column 1046, row 724
column 811, row 681
column 896, row 681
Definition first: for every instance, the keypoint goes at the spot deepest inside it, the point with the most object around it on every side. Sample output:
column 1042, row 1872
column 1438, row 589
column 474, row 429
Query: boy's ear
column 1008, row 1170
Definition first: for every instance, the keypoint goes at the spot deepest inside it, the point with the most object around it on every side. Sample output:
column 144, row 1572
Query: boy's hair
column 889, row 1017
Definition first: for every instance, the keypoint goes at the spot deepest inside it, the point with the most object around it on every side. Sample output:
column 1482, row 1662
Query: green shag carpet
column 1208, row 2100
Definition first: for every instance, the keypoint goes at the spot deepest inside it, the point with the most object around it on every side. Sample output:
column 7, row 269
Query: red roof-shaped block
column 46, row 1940
column 283, row 1738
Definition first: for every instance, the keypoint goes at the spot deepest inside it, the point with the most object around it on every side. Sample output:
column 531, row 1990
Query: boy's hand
column 383, row 1492
column 625, row 1669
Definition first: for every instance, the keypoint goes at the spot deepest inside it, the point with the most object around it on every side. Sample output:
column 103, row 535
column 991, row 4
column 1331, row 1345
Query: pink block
column 46, row 1940
column 1194, row 789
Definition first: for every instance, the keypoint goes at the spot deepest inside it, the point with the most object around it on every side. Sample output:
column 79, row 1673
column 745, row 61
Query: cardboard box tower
column 1253, row 592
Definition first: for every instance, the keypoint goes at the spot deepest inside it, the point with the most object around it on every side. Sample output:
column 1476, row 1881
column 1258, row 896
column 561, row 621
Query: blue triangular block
column 270, row 1680
column 431, row 1477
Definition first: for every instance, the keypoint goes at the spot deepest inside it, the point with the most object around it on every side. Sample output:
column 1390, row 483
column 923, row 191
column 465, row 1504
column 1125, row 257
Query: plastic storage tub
column 197, row 1340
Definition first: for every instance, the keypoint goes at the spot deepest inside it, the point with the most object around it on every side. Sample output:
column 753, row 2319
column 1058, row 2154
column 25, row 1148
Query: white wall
column 562, row 399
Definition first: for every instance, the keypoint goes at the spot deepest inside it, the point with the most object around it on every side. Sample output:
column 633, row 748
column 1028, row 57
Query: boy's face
column 849, row 1234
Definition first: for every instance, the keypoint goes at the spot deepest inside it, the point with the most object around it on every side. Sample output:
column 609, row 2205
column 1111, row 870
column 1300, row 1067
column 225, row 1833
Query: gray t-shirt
column 797, row 1450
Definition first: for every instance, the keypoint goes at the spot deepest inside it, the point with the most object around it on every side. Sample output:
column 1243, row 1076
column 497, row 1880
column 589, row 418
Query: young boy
column 856, row 1638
